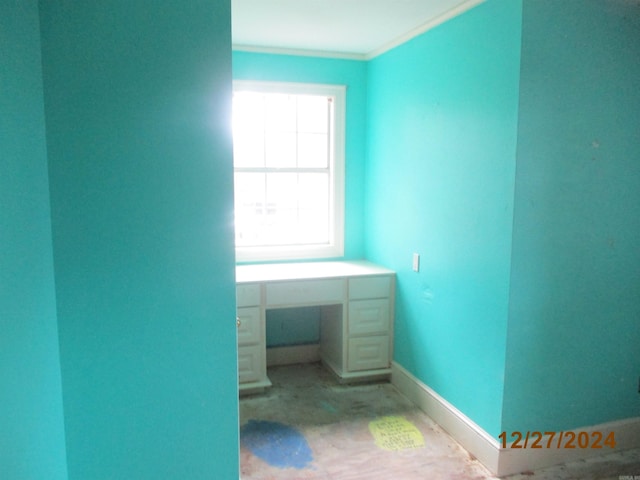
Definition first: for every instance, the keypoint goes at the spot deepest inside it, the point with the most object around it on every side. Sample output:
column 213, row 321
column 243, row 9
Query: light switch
column 416, row 262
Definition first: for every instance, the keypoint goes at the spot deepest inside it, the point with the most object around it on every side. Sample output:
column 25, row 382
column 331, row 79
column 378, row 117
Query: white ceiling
column 350, row 28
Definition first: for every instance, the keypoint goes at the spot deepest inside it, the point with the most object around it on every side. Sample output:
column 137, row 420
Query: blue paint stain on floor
column 277, row 444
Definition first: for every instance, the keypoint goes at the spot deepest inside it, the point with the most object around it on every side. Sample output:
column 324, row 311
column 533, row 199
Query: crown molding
column 448, row 15
column 300, row 52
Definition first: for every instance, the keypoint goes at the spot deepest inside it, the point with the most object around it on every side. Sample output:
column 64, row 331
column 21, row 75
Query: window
column 288, row 170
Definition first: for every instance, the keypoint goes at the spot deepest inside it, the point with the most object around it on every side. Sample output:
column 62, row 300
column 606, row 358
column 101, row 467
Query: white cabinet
column 307, row 292
column 356, row 301
column 356, row 341
column 368, row 353
column 248, row 295
column 369, row 317
column 248, row 322
column 250, row 366
column 370, row 287
column 252, row 356
column 369, row 323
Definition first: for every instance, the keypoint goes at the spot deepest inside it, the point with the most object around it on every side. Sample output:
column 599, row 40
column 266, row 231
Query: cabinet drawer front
column 248, row 295
column 370, row 287
column 369, row 316
column 306, row 292
column 368, row 353
column 249, row 325
column 250, row 364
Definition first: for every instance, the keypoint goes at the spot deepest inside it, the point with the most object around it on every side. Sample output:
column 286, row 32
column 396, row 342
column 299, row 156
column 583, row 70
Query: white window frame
column 335, row 247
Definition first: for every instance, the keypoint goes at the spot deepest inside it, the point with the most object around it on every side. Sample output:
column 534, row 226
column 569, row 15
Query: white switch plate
column 416, row 262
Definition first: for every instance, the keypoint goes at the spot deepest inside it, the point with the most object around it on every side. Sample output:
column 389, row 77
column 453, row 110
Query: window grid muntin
column 334, row 196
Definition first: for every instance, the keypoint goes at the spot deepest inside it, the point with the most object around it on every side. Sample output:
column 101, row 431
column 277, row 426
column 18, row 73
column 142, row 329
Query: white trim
column 506, row 461
column 301, row 88
column 335, row 247
column 467, row 433
column 300, row 52
column 434, row 22
column 293, row 355
column 254, row 387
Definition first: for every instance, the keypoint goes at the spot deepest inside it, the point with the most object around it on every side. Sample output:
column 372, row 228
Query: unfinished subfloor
column 307, row 426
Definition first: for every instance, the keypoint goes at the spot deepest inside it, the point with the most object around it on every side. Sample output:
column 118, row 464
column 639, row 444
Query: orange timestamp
column 567, row 439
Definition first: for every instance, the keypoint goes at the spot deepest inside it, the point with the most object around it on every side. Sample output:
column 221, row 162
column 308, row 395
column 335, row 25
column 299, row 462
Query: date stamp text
column 567, row 439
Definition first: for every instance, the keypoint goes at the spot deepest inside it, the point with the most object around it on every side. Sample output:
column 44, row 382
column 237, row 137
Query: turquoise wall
column 137, row 104
column 502, row 146
column 574, row 320
column 352, row 73
column 31, row 415
column 293, row 326
column 440, row 182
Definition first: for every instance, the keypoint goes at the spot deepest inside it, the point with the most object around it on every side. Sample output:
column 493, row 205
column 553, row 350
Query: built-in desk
column 356, row 330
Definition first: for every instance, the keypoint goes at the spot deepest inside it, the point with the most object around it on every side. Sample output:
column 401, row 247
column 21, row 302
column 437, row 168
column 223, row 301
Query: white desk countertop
column 307, row 271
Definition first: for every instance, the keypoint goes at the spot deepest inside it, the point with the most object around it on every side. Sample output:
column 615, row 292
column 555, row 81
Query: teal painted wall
column 137, row 103
column 31, row 415
column 352, row 73
column 573, row 355
column 293, row 326
column 440, row 182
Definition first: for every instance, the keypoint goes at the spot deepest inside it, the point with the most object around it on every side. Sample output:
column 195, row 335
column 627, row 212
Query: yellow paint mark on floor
column 395, row 433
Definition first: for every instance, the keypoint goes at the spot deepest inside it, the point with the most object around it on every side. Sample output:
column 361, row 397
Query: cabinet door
column 369, row 316
column 248, row 325
column 306, row 292
column 248, row 295
column 250, row 364
column 368, row 353
column 369, row 287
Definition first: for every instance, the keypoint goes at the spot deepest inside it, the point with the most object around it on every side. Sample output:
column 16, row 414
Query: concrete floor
column 307, row 426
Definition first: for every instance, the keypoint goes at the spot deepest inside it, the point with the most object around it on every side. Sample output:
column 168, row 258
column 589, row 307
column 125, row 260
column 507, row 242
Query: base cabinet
column 356, row 331
column 252, row 354
column 368, row 353
column 250, row 365
column 370, row 323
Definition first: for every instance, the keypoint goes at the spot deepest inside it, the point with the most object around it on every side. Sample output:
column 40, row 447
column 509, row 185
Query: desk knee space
column 356, row 330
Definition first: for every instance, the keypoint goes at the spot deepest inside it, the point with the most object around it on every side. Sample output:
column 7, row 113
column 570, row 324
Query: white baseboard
column 292, row 355
column 507, row 461
column 461, row 428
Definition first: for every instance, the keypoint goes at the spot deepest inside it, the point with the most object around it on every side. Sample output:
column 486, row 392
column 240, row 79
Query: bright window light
column 289, row 170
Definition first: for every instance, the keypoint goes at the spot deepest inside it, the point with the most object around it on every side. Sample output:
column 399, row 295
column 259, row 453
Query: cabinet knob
column 238, row 322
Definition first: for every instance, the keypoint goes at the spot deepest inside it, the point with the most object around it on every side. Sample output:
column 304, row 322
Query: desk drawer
column 248, row 295
column 369, row 287
column 249, row 325
column 306, row 292
column 369, row 316
column 368, row 353
column 250, row 364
